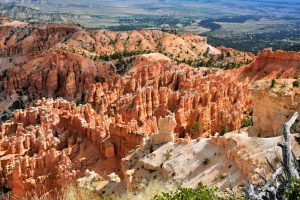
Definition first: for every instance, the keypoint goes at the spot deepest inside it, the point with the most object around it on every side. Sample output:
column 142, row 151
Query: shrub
column 99, row 79
column 19, row 104
column 189, row 62
column 247, row 122
column 148, row 193
column 222, row 56
column 223, row 176
column 277, row 159
column 273, row 82
column 206, row 161
column 197, row 127
column 224, row 129
column 295, row 128
column 168, row 155
column 295, row 84
column 294, row 190
column 208, row 63
column 113, row 42
column 202, row 192
column 206, row 52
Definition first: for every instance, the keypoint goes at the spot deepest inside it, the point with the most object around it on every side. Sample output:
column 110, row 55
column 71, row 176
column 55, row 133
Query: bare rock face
column 77, row 137
column 270, row 65
column 63, row 60
column 54, row 74
column 166, row 125
column 128, row 102
column 218, row 161
column 166, row 128
column 152, row 88
column 31, row 39
column 187, row 46
column 277, row 64
column 273, row 104
column 165, row 133
column 46, row 146
column 118, row 113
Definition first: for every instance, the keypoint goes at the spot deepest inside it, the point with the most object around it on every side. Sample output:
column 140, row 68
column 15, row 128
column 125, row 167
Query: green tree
column 273, row 83
column 224, row 129
column 295, row 84
column 206, row 52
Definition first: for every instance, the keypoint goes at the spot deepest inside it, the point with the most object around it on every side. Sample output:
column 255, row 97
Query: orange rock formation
column 46, row 146
column 55, row 141
column 270, row 65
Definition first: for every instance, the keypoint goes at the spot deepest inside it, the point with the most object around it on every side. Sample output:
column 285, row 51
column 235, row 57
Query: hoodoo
column 114, row 112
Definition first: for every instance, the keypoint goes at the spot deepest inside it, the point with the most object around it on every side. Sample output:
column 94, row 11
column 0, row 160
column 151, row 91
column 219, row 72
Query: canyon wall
column 46, row 146
column 276, row 64
column 273, row 105
column 118, row 114
column 63, row 60
column 54, row 74
column 127, row 95
column 151, row 89
column 269, row 65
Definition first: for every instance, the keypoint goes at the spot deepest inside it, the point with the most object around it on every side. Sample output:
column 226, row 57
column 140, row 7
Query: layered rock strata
column 269, row 65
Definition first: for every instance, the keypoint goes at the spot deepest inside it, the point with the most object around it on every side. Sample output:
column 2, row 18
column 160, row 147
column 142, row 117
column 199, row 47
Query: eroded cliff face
column 269, row 65
column 46, row 146
column 151, row 89
column 127, row 108
column 118, row 114
column 273, row 104
column 277, row 64
column 31, row 39
column 63, row 60
column 54, row 74
column 127, row 95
